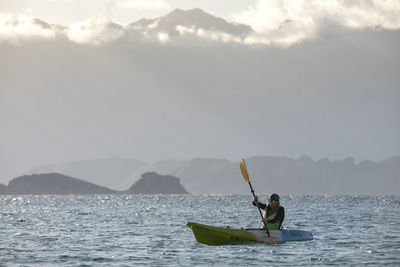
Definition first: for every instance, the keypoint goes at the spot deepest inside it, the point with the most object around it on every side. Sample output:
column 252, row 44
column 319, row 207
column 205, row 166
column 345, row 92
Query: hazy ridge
column 106, row 172
column 284, row 175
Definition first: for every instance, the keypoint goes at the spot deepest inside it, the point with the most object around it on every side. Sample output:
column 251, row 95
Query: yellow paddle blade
column 243, row 170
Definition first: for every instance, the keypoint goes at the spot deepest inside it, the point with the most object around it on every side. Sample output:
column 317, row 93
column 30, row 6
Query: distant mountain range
column 113, row 172
column 221, row 176
column 177, row 25
column 180, row 21
column 196, row 24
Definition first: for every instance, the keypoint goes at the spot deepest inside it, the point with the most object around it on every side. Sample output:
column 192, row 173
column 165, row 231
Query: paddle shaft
column 259, row 210
column 245, row 174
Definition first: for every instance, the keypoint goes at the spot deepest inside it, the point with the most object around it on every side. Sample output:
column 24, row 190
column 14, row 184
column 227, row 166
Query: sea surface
column 134, row 230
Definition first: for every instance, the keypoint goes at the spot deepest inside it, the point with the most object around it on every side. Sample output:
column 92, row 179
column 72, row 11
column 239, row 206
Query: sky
column 262, row 77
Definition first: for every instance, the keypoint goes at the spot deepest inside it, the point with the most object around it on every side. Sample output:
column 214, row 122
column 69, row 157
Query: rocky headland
column 55, row 183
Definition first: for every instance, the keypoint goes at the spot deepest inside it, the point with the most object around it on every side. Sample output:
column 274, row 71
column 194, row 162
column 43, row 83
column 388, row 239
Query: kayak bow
column 211, row 235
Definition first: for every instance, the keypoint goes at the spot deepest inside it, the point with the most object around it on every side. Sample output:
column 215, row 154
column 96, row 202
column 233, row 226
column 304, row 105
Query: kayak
column 211, row 235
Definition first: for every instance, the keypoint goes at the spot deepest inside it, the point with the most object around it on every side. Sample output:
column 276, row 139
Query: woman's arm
column 261, row 205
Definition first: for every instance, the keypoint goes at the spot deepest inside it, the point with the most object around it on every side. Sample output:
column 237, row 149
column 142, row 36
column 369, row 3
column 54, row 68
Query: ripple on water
column 130, row 230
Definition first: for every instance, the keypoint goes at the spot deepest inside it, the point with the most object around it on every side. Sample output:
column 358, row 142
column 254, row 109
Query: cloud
column 98, row 30
column 163, row 37
column 143, row 4
column 209, row 35
column 273, row 22
column 15, row 28
column 286, row 22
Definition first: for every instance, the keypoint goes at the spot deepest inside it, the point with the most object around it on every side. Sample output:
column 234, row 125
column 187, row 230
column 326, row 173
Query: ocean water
column 134, row 230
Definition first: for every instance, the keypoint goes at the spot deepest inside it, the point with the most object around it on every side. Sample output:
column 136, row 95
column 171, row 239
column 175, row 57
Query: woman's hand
column 255, row 198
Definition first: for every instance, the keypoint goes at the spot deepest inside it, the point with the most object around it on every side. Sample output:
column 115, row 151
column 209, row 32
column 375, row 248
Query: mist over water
column 111, row 230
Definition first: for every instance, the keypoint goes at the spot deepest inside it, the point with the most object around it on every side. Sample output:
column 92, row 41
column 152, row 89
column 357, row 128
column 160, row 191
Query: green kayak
column 211, row 235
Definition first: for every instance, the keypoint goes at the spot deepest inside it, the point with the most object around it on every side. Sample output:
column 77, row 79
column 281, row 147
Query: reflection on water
column 138, row 229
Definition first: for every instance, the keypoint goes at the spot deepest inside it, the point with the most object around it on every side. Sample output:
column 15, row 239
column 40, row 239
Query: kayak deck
column 211, row 235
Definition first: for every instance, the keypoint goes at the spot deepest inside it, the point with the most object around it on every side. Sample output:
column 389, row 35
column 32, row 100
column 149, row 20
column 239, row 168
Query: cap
column 273, row 198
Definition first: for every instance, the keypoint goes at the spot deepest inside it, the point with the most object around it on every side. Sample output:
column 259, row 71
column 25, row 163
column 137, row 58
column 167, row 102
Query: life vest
column 271, row 215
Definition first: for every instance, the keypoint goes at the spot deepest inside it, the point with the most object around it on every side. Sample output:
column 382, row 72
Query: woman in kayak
column 274, row 214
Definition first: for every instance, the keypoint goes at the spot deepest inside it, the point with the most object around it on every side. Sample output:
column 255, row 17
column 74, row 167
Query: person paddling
column 274, row 214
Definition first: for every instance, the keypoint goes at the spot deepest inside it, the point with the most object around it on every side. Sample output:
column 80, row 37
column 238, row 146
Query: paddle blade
column 243, row 170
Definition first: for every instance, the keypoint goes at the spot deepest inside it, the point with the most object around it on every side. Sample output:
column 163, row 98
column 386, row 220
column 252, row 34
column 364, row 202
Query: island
column 60, row 184
column 153, row 183
column 53, row 183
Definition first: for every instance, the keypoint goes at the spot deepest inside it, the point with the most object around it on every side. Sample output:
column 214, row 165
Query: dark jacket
column 280, row 216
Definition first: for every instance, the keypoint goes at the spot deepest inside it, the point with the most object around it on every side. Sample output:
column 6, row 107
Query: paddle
column 246, row 177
